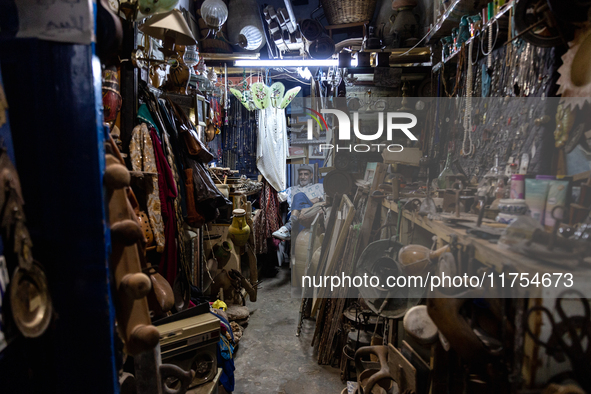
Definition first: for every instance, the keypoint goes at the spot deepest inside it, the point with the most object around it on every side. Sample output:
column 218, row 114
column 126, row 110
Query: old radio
column 191, row 344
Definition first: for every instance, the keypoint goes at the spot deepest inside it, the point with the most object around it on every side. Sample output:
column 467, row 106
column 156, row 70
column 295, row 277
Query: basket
column 339, row 12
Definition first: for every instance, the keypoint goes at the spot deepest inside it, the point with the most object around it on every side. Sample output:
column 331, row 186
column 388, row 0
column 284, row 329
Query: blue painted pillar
column 54, row 94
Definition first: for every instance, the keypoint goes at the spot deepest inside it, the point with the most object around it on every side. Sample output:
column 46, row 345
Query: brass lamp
column 171, row 28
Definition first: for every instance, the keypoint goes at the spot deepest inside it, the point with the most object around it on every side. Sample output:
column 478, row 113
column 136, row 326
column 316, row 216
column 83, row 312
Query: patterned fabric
column 141, row 152
column 168, row 193
column 178, row 212
column 268, row 219
column 311, row 191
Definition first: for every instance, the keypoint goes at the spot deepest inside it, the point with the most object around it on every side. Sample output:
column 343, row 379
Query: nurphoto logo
column 344, row 129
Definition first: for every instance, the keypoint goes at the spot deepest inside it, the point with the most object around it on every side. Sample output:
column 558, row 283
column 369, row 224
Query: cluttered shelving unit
column 501, row 20
column 451, row 18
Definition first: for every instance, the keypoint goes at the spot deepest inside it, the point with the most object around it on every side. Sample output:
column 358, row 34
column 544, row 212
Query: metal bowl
column 30, row 301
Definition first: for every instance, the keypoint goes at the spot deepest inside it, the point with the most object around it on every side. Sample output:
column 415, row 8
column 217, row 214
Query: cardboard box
column 408, row 156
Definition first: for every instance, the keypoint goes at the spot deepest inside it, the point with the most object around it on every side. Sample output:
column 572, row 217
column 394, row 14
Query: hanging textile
column 171, row 149
column 143, row 114
column 141, row 151
column 272, row 150
column 168, row 193
column 268, row 218
column 177, row 204
column 173, row 142
column 237, row 148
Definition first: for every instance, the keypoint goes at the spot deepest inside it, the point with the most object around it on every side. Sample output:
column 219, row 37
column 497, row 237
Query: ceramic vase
column 222, row 253
column 111, row 96
column 239, row 231
column 404, row 22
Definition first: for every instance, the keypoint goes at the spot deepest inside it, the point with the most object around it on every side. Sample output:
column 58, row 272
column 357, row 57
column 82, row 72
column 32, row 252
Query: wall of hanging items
column 504, row 124
column 239, row 140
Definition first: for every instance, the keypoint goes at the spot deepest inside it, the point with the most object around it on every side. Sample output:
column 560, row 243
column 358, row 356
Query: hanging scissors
column 571, row 337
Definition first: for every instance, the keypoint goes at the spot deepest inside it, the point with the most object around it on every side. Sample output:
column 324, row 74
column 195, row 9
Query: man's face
column 305, row 177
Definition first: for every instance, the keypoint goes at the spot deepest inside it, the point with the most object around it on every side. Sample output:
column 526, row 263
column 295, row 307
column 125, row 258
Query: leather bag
column 196, row 149
column 194, row 218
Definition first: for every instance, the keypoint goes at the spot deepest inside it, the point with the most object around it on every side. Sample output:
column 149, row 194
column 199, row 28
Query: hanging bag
column 196, row 149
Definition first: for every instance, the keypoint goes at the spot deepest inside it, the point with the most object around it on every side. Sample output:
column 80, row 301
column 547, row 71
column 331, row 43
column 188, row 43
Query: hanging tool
column 578, row 345
column 460, row 186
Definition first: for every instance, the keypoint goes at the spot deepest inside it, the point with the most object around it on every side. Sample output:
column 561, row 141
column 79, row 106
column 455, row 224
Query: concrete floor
column 270, row 358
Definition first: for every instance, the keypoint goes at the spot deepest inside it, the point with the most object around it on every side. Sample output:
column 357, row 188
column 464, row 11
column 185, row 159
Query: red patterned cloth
column 168, row 192
column 268, row 220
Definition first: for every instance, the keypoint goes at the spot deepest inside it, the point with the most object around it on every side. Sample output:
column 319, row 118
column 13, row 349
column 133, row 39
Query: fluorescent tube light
column 286, row 63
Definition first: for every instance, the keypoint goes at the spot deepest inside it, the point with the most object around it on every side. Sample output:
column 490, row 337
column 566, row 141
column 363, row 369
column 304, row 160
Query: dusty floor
column 270, row 358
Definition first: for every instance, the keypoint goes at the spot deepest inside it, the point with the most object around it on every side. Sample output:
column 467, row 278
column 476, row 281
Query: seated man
column 300, row 197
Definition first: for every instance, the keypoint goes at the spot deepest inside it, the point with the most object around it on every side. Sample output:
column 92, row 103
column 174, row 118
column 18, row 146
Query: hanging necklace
column 468, row 108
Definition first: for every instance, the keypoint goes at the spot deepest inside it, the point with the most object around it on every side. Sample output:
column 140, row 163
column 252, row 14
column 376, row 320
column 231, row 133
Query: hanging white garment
column 272, row 147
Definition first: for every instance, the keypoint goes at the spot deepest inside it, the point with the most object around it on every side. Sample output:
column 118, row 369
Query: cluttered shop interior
column 295, row 196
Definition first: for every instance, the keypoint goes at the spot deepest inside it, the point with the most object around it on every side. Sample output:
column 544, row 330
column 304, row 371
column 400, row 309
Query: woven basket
column 339, row 12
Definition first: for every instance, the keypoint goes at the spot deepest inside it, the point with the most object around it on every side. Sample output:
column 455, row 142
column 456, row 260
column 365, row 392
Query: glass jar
column 442, row 179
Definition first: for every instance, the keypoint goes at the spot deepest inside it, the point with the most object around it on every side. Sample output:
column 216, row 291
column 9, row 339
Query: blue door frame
column 54, row 94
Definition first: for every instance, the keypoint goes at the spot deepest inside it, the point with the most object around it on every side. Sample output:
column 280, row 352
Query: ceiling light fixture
column 214, row 13
column 287, row 63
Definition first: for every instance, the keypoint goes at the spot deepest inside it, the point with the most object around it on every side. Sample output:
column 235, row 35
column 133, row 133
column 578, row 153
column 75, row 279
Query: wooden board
column 330, row 254
column 347, row 213
column 402, row 370
column 315, row 229
column 423, row 369
column 415, row 356
column 345, row 216
column 373, row 204
column 327, row 238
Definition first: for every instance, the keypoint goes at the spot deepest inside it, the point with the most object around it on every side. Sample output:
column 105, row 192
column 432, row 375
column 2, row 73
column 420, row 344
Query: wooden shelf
column 451, row 17
column 498, row 18
column 487, row 253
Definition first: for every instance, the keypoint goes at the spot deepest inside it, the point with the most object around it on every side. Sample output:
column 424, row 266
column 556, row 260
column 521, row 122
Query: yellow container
column 239, row 231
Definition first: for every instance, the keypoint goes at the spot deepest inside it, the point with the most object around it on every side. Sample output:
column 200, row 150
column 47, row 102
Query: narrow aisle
column 270, row 358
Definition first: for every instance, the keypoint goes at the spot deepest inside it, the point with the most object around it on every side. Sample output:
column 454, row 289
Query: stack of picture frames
column 346, row 234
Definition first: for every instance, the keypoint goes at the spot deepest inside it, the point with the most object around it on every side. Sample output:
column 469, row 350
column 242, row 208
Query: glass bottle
column 441, row 180
column 500, row 190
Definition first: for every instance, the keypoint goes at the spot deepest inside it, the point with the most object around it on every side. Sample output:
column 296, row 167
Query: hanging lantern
column 201, row 68
column 245, row 26
column 212, row 76
column 191, row 57
column 214, row 13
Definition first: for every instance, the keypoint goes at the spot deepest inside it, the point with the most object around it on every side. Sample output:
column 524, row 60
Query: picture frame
column 297, row 152
column 201, row 110
column 297, row 106
column 315, row 153
column 370, row 170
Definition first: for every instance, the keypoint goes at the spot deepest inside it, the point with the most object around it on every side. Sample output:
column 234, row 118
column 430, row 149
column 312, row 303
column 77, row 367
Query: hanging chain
column 490, row 47
column 468, row 109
